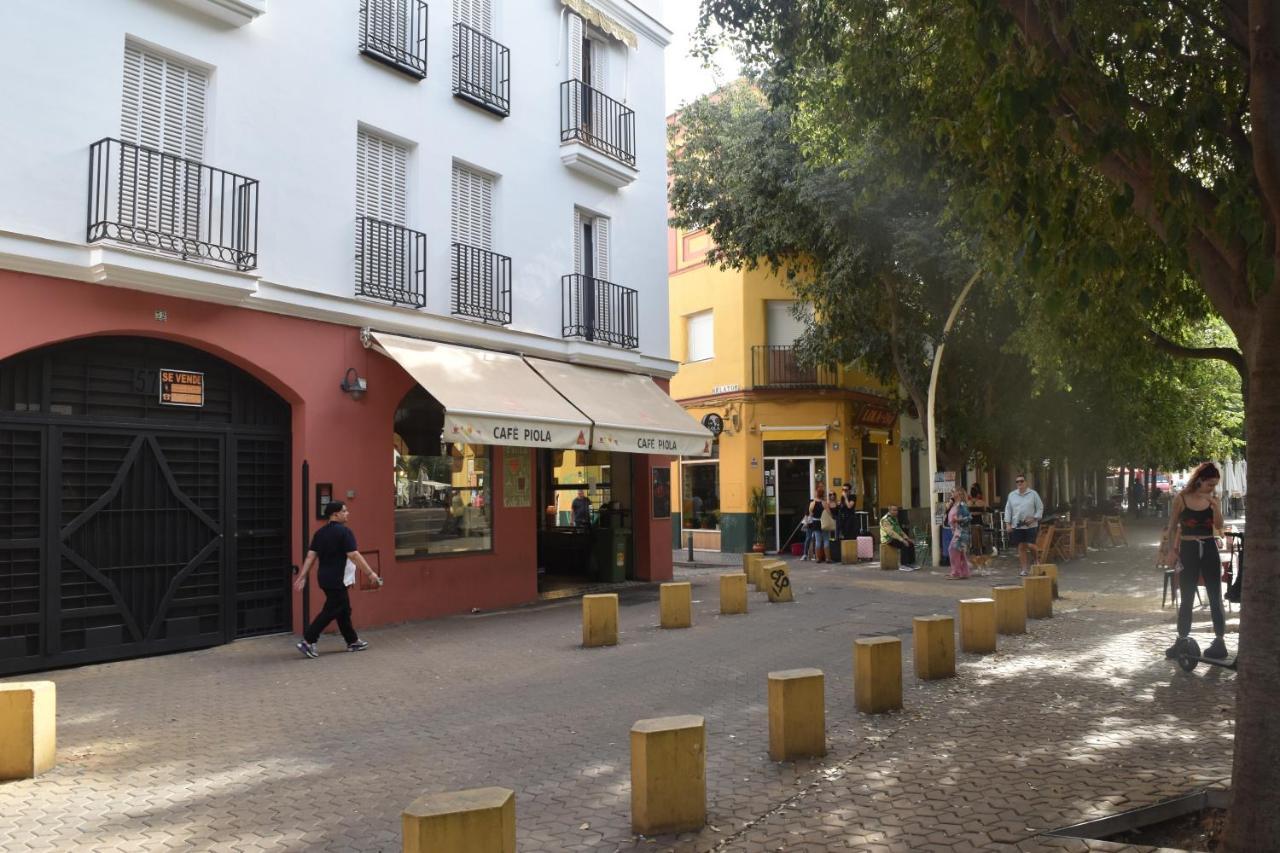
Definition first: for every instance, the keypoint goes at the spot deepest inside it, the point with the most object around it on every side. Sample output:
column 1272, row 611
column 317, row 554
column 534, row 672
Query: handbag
column 828, row 522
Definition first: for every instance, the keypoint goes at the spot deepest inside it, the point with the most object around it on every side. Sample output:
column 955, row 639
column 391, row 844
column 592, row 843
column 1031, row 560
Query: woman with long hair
column 1194, row 520
column 958, row 519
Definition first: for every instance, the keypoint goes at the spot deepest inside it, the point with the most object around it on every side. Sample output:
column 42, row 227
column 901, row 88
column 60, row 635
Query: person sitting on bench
column 892, row 534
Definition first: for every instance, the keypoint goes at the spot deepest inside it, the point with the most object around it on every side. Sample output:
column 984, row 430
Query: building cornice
column 762, row 395
column 237, row 13
column 118, row 266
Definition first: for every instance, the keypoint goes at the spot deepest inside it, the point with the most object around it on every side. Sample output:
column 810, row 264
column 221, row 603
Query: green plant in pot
column 758, row 506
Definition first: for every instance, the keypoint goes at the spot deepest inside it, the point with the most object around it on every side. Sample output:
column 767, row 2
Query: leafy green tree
column 1120, row 148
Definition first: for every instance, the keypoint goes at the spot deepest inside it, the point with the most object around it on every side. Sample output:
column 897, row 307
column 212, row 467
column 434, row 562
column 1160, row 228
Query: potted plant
column 758, row 506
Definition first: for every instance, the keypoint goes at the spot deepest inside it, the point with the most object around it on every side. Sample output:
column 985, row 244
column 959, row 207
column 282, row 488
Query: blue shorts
column 1019, row 535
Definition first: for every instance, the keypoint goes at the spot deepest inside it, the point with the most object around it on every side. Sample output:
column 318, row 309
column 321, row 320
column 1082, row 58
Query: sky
column 686, row 78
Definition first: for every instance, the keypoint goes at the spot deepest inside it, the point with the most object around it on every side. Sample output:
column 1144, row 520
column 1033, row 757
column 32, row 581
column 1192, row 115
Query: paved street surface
column 252, row 747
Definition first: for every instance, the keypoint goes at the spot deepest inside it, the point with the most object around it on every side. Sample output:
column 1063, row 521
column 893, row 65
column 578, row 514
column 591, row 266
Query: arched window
column 443, row 489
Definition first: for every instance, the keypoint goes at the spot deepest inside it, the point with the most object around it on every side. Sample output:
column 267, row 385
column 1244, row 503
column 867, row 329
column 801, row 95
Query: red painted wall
column 347, row 442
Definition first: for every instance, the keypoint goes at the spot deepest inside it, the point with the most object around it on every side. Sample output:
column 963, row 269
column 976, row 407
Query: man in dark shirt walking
column 331, row 547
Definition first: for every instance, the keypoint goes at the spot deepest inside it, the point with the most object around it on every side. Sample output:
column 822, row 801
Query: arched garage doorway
column 130, row 525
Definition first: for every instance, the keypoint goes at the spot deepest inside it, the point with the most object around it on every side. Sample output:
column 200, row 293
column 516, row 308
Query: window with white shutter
column 162, row 107
column 700, row 336
column 472, row 220
column 591, row 244
column 381, row 178
column 394, row 32
column 477, row 14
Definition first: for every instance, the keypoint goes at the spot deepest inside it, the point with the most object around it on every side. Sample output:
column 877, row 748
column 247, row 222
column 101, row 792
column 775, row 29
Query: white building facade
column 289, row 244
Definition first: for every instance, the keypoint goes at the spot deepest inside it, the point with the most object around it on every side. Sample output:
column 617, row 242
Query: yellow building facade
column 786, row 426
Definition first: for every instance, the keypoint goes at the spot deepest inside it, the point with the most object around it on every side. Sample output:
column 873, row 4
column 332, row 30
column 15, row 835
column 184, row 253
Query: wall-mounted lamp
column 354, row 384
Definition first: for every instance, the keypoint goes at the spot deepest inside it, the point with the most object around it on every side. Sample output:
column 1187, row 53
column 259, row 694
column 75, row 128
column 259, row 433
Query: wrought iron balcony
column 591, row 117
column 160, row 201
column 481, row 284
column 391, row 263
column 601, row 311
column 481, row 70
column 777, row 367
column 394, row 32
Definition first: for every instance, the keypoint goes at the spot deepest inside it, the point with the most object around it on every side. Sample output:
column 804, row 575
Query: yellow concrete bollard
column 668, row 775
column 675, row 602
column 1039, row 595
column 479, row 820
column 933, row 644
column 877, row 674
column 1049, row 569
column 890, row 557
column 777, row 579
column 600, row 620
column 733, row 594
column 978, row 625
column 797, row 714
column 1011, row 609
column 28, row 728
column 751, row 567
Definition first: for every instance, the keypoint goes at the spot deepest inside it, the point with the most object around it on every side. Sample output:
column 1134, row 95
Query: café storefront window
column 442, row 489
column 700, row 491
column 578, row 475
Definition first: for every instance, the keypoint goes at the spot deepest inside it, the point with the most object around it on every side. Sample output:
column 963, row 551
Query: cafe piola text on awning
column 488, row 397
column 499, row 398
column 629, row 412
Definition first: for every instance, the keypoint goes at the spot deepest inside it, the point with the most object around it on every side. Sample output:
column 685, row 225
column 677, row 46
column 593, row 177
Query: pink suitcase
column 866, row 550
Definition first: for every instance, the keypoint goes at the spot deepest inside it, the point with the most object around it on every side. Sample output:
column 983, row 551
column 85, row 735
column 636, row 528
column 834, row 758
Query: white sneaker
column 906, row 568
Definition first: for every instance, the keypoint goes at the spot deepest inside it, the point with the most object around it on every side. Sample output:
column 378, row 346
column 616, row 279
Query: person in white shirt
column 1022, row 512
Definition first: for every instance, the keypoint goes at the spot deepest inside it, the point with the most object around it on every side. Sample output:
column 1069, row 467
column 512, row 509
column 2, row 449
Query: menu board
column 517, row 477
column 661, row 492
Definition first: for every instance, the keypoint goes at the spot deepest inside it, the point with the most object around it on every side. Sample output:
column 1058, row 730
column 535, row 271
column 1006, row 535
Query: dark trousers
column 908, row 555
column 1200, row 561
column 337, row 605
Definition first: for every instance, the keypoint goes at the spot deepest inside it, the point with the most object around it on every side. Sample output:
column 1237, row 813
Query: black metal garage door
column 128, row 527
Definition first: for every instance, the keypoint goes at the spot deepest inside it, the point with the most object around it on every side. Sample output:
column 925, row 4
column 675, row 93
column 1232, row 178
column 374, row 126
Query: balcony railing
column 481, row 70
column 148, row 198
column 777, row 367
column 591, row 117
column 394, row 32
column 391, row 263
column 481, row 284
column 598, row 310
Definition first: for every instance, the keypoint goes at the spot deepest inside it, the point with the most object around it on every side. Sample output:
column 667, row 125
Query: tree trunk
column 1253, row 821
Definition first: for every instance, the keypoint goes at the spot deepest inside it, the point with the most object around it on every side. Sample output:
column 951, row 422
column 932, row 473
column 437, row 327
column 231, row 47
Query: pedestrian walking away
column 332, row 547
column 892, row 534
column 1023, row 510
column 958, row 518
column 1194, row 522
column 813, row 526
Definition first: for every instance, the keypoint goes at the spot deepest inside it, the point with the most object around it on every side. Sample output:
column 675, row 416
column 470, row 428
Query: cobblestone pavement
column 251, row 747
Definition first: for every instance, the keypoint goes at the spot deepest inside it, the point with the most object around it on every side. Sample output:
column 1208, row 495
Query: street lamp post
column 929, row 420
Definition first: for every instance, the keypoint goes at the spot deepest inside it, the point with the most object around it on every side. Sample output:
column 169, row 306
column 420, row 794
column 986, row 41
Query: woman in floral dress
column 958, row 519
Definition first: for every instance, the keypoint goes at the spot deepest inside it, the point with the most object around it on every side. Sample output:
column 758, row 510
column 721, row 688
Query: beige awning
column 631, row 413
column 488, row 397
column 607, row 24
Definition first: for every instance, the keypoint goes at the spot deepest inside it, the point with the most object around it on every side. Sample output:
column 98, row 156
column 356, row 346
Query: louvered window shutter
column 575, row 47
column 385, row 24
column 599, row 66
column 577, row 242
column 601, row 231
column 381, row 179
column 162, row 108
column 472, row 217
column 477, row 14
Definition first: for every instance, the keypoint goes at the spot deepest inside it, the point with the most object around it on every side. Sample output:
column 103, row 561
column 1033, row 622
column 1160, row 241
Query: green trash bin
column 612, row 553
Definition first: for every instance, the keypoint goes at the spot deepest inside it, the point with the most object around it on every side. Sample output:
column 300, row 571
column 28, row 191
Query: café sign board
column 181, row 388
